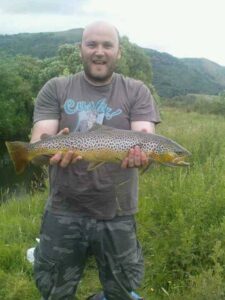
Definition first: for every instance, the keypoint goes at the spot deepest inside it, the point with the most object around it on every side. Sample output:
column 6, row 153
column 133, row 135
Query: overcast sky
column 183, row 28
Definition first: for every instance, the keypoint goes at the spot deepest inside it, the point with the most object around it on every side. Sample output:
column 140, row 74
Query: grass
column 181, row 222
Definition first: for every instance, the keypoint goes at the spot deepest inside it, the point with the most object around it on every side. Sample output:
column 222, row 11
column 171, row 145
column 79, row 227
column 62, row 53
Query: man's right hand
column 64, row 159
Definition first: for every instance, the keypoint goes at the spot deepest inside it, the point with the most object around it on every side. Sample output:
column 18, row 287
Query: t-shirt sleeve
column 47, row 105
column 144, row 107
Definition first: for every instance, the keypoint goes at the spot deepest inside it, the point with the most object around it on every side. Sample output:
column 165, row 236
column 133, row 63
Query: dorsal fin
column 97, row 126
column 45, row 136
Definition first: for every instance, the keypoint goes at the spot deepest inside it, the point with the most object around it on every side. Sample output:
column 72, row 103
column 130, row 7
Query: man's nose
column 99, row 50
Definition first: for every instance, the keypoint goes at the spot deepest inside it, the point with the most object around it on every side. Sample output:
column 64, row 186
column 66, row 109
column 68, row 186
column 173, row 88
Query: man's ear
column 79, row 48
column 119, row 53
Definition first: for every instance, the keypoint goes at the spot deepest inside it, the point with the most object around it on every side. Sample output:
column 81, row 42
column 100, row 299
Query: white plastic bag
column 30, row 253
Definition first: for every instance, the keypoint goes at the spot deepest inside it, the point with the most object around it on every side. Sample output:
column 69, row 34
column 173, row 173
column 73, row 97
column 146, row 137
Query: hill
column 41, row 45
column 171, row 76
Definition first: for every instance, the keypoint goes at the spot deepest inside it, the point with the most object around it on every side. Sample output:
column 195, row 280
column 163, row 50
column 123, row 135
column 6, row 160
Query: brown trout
column 99, row 145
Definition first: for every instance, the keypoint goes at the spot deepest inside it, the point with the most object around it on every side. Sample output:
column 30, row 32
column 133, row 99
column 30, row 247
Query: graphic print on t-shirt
column 89, row 112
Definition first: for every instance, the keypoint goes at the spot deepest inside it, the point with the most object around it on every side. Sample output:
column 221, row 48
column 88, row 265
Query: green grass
column 203, row 104
column 181, row 222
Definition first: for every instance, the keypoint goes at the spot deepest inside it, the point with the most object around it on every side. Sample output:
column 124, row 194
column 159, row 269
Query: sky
column 182, row 28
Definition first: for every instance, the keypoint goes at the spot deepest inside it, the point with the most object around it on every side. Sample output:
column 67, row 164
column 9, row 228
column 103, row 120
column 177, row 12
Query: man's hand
column 135, row 158
column 64, row 159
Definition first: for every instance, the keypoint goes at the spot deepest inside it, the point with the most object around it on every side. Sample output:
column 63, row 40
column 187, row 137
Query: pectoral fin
column 144, row 169
column 41, row 160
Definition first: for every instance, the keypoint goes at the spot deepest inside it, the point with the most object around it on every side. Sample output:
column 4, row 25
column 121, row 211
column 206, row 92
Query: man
column 92, row 211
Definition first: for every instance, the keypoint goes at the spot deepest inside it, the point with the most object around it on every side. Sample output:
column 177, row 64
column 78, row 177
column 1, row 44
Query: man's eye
column 91, row 45
column 108, row 46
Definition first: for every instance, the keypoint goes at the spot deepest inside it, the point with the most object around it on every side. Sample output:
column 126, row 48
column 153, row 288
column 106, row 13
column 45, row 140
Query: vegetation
column 41, row 45
column 181, row 223
column 171, row 76
column 174, row 77
column 23, row 76
column 181, row 220
column 204, row 104
column 15, row 102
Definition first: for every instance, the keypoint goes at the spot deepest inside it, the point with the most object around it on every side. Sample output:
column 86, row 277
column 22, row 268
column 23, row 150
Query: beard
column 99, row 76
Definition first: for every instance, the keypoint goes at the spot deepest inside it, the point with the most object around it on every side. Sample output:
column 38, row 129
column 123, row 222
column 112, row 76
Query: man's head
column 100, row 50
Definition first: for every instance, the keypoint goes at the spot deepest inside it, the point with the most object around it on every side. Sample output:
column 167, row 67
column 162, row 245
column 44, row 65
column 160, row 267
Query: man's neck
column 97, row 83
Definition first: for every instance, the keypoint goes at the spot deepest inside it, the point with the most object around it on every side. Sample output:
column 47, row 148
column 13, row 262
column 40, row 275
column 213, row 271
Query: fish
column 100, row 144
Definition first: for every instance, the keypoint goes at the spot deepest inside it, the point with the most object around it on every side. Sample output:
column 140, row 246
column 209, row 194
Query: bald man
column 91, row 211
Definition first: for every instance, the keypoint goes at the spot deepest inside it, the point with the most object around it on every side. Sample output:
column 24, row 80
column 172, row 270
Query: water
column 31, row 179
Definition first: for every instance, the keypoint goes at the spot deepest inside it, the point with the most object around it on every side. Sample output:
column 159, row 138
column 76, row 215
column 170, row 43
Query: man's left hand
column 136, row 158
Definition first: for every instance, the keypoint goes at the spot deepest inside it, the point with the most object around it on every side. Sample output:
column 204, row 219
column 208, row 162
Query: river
column 12, row 184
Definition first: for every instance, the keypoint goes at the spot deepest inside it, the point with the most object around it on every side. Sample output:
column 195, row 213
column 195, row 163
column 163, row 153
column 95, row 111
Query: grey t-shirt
column 108, row 190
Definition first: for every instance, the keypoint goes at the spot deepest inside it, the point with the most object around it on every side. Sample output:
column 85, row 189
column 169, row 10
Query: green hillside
column 41, row 45
column 171, row 76
column 204, row 66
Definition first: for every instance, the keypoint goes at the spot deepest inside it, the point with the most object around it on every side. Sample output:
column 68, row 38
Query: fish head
column 168, row 152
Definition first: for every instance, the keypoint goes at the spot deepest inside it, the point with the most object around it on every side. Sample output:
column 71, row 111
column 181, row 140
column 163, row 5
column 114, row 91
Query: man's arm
column 50, row 127
column 136, row 157
column 144, row 126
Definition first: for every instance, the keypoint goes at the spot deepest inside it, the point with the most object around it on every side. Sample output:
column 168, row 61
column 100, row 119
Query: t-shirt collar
column 98, row 85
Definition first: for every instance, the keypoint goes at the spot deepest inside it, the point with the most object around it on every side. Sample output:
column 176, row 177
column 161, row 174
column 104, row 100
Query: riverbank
column 180, row 223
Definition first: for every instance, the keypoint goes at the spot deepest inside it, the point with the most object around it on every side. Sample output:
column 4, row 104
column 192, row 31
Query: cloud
column 62, row 7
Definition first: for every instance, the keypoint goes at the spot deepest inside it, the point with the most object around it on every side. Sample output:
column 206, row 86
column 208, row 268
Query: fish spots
column 102, row 143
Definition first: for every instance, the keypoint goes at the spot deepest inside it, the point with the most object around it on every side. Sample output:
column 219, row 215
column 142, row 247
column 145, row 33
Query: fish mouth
column 175, row 158
column 180, row 161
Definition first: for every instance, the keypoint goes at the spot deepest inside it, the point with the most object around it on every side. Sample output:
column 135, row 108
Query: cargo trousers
column 66, row 242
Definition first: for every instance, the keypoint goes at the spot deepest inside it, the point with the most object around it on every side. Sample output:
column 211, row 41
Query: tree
column 21, row 78
column 134, row 62
column 16, row 103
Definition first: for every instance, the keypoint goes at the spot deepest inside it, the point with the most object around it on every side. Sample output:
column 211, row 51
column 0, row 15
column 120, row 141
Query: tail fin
column 18, row 152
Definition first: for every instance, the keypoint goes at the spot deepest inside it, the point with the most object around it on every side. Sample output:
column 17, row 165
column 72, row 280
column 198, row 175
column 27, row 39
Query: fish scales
column 89, row 141
column 101, row 144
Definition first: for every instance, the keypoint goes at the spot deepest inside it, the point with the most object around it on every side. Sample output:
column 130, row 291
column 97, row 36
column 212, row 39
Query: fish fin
column 18, row 152
column 45, row 136
column 144, row 169
column 169, row 164
column 97, row 126
column 41, row 160
column 174, row 165
column 93, row 165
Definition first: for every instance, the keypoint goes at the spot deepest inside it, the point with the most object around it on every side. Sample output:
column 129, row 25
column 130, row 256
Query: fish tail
column 18, row 152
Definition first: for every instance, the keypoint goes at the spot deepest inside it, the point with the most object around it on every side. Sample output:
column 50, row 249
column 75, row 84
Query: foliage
column 66, row 62
column 175, row 77
column 40, row 45
column 203, row 104
column 15, row 102
column 23, row 76
column 181, row 222
column 181, row 219
column 29, row 68
column 171, row 76
column 134, row 63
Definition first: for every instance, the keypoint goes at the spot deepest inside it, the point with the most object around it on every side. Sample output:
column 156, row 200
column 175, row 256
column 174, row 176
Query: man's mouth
column 99, row 62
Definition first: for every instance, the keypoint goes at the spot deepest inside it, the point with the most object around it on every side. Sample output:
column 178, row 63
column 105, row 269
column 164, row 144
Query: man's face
column 100, row 52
